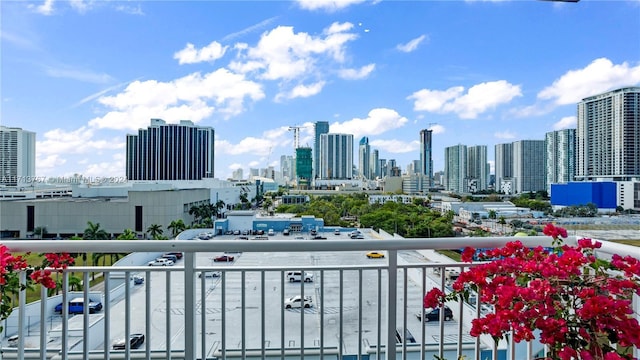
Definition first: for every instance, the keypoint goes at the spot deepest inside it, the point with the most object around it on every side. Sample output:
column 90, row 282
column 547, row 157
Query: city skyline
column 382, row 70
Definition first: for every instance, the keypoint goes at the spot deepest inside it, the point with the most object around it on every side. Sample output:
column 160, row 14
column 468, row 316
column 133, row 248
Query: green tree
column 176, row 227
column 93, row 232
column 40, row 231
column 154, row 230
column 128, row 234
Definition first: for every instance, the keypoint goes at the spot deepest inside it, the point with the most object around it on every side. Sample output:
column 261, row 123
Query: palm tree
column 155, row 231
column 219, row 206
column 128, row 234
column 93, row 232
column 177, row 226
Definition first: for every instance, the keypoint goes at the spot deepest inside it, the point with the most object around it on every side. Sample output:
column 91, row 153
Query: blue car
column 76, row 306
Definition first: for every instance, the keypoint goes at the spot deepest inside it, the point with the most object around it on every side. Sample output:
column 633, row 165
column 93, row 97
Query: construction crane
column 296, row 135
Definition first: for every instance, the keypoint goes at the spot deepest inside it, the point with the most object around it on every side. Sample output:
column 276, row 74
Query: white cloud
column 378, row 121
column 356, row 74
column 437, row 129
column 131, row 10
column 569, row 122
column 79, row 5
column 77, row 74
column 51, row 161
column 193, row 97
column 302, row 91
column 250, row 29
column 396, row 146
column 478, row 99
column 411, row 45
column 45, row 8
column 327, row 5
column 598, row 77
column 79, row 141
column 505, row 135
column 191, row 55
column 286, row 55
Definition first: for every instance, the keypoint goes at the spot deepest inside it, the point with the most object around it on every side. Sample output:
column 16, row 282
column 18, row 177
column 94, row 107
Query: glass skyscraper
column 336, row 156
column 321, row 127
column 561, row 156
column 170, row 152
column 426, row 158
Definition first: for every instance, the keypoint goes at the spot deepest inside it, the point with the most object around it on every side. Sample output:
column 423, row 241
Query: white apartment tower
column 17, row 157
column 561, row 156
column 455, row 168
column 336, row 156
column 608, row 136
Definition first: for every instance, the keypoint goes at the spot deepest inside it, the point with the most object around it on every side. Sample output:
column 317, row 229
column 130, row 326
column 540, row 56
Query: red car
column 226, row 258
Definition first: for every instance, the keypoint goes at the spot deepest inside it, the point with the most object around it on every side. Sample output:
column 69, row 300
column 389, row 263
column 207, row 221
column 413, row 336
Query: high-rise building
column 455, row 168
column 237, row 174
column 287, row 167
column 426, row 158
column 477, row 171
column 561, row 156
column 608, row 136
column 528, row 166
column 375, row 164
column 364, row 158
column 504, row 167
column 170, row 152
column 17, row 157
column 304, row 166
column 383, row 168
column 321, row 127
column 336, row 156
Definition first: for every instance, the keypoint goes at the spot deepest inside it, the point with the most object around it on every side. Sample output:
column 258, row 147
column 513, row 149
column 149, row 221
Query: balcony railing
column 360, row 308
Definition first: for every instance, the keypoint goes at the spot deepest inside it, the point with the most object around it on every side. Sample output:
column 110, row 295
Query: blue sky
column 83, row 74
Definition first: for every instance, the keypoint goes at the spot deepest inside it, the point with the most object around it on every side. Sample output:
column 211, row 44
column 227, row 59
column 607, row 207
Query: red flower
column 567, row 295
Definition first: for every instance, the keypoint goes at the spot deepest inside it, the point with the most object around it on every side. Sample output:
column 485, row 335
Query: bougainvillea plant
column 578, row 305
column 10, row 268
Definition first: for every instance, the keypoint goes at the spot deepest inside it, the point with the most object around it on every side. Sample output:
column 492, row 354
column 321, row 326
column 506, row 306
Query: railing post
column 392, row 299
column 190, row 338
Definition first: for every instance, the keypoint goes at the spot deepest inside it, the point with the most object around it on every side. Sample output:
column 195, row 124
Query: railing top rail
column 271, row 245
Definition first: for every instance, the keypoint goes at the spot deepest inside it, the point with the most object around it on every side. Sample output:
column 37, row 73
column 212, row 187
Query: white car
column 161, row 262
column 297, row 276
column 296, row 302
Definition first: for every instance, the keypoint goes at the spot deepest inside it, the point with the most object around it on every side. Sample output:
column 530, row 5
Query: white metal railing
column 358, row 308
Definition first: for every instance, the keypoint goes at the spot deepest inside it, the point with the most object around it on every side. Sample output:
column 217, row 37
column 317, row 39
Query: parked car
column 336, row 232
column 177, row 254
column 226, row 258
column 210, row 274
column 320, row 237
column 161, row 262
column 433, row 314
column 286, row 232
column 296, row 302
column 137, row 279
column 135, row 340
column 76, row 306
column 271, row 232
column 170, row 257
column 297, row 276
column 375, row 255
